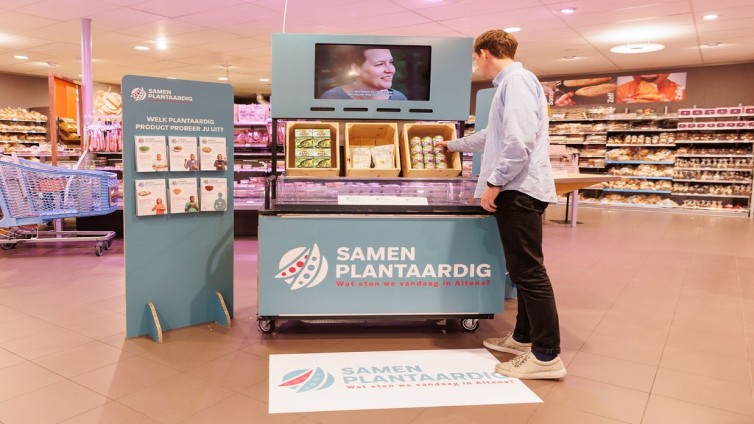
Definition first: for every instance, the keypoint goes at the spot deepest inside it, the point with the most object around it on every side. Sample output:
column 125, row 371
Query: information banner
column 177, row 256
column 637, row 88
column 379, row 265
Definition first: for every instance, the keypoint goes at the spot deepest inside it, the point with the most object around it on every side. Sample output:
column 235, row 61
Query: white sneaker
column 527, row 366
column 507, row 344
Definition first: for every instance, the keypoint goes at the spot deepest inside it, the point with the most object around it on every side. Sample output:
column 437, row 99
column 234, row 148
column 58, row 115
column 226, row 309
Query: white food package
column 361, row 157
column 383, row 156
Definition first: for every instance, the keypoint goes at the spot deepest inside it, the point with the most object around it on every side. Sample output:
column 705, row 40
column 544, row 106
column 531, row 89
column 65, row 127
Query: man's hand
column 488, row 198
column 444, row 144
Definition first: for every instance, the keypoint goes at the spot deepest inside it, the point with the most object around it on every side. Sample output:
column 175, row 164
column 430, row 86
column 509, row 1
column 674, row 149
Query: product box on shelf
column 749, row 110
column 371, row 150
column 312, row 149
column 452, row 166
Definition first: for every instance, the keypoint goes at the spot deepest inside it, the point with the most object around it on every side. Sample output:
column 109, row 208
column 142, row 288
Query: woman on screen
column 371, row 70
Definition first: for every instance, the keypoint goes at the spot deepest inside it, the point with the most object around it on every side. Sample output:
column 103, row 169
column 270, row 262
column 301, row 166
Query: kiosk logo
column 307, row 380
column 138, row 94
column 302, row 267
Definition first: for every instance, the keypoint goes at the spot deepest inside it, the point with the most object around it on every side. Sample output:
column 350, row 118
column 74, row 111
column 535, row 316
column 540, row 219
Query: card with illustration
column 183, row 195
column 214, row 194
column 213, row 153
column 151, row 153
column 151, row 197
column 183, row 153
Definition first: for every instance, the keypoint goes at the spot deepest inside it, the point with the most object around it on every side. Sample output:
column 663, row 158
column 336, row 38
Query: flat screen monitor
column 372, row 72
column 323, row 76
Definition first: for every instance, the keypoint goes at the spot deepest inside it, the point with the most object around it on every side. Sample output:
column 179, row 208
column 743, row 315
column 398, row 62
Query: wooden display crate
column 453, row 159
column 370, row 134
column 292, row 170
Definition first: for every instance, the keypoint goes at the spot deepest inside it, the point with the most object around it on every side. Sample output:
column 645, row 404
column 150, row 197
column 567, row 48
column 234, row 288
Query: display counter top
column 417, row 210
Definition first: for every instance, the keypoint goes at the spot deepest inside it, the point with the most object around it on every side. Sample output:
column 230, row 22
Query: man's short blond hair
column 498, row 42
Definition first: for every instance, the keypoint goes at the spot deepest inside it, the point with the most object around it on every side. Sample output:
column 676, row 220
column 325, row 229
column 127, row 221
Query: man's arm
column 470, row 143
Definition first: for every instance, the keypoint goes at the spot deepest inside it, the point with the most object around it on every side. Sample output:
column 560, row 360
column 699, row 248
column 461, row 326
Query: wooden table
column 571, row 183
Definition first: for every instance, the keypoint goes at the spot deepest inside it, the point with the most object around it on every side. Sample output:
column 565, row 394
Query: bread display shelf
column 713, row 141
column 290, row 149
column 742, row 182
column 646, row 177
column 713, row 155
column 371, row 134
column 578, row 133
column 633, row 130
column 640, row 145
column 714, row 169
column 448, row 132
column 637, row 162
column 727, row 196
column 629, row 190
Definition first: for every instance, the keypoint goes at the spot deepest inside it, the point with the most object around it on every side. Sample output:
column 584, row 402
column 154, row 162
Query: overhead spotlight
column 20, row 57
column 568, row 10
column 162, row 43
column 264, row 80
column 222, row 78
column 569, row 57
column 712, row 44
column 142, row 48
column 637, row 48
column 512, row 29
column 710, row 17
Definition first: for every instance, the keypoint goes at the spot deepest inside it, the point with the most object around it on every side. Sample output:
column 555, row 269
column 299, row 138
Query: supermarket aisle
column 657, row 315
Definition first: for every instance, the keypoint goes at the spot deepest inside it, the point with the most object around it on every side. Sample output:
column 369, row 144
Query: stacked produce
column 427, row 153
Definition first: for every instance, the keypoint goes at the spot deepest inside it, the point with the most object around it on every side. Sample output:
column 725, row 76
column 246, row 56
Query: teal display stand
column 179, row 266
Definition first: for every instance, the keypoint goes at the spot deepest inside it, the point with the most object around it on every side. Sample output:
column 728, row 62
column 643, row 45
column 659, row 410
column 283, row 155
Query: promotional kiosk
column 392, row 236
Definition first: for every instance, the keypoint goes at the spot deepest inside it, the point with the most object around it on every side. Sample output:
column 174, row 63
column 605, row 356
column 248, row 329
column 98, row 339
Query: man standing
column 516, row 183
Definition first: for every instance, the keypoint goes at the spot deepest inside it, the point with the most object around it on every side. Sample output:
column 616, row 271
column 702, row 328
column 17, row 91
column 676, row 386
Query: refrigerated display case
column 352, row 248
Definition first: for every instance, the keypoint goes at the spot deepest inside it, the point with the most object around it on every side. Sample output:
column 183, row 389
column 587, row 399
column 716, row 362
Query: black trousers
column 519, row 220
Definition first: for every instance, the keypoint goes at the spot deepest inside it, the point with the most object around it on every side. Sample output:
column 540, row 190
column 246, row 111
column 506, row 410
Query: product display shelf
column 712, row 155
column 637, row 162
column 638, row 145
column 627, row 190
column 722, row 196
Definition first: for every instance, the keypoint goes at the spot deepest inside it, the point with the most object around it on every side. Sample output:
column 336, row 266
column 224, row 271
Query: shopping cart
column 33, row 194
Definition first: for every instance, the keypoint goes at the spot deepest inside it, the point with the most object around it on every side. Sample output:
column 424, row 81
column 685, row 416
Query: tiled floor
column 657, row 317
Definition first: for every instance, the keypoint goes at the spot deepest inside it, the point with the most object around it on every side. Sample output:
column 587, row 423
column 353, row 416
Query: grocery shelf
column 657, row 130
column 23, row 141
column 715, row 169
column 21, row 120
column 637, row 162
column 591, row 167
column 635, row 118
column 645, row 177
column 578, row 133
column 106, row 153
column 712, row 155
column 23, row 132
column 641, row 145
column 591, row 156
column 727, row 196
column 714, row 141
column 627, row 190
column 714, row 181
column 717, row 129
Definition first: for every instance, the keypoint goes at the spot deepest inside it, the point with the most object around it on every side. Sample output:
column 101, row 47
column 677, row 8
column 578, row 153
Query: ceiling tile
column 176, row 8
column 123, row 17
column 65, row 10
column 473, row 8
column 232, row 15
column 161, row 28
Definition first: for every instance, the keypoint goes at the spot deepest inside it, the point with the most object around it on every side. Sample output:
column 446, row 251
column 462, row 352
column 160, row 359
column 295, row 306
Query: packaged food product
column 441, row 165
column 417, row 164
column 429, row 165
column 416, row 149
column 417, row 157
column 438, row 149
column 361, row 157
column 438, row 138
column 415, row 141
column 306, row 162
column 428, row 150
column 383, row 156
column 440, row 157
column 427, row 141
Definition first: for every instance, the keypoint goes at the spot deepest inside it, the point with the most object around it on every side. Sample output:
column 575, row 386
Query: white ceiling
column 203, row 35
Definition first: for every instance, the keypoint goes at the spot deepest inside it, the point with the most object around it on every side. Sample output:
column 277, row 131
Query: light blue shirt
column 517, row 155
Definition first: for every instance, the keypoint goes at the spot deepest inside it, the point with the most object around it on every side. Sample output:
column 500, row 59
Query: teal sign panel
column 379, row 265
column 179, row 251
column 483, row 106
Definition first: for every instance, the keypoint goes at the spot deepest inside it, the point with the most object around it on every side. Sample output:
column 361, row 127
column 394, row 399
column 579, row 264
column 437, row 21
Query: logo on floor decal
column 302, row 267
column 307, row 380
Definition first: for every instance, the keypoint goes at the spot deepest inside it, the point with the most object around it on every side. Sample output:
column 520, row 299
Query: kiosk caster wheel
column 108, row 244
column 267, row 326
column 98, row 250
column 470, row 324
column 7, row 246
